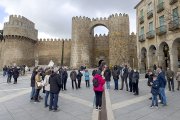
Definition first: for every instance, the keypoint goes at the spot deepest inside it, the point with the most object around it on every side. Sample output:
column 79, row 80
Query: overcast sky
column 53, row 17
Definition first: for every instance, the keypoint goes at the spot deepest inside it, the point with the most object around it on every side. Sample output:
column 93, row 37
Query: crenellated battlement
column 53, row 40
column 100, row 35
column 77, row 18
column 20, row 26
column 118, row 15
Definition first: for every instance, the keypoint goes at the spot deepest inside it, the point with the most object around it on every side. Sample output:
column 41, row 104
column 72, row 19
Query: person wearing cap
column 154, row 91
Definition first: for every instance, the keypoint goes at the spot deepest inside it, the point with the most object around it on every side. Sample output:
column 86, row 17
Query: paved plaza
column 78, row 104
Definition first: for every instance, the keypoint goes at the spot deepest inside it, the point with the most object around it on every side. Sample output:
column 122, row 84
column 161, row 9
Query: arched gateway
column 86, row 47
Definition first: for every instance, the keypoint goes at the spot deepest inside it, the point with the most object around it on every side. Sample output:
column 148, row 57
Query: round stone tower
column 20, row 36
column 81, row 45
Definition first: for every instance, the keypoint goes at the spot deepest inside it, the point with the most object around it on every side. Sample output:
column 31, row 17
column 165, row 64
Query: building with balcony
column 158, row 34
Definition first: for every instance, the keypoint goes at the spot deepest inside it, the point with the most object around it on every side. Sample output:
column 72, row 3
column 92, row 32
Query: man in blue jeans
column 55, row 81
column 162, row 86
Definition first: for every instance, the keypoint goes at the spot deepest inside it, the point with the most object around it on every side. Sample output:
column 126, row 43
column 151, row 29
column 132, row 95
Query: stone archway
column 175, row 55
column 143, row 59
column 152, row 56
column 164, row 58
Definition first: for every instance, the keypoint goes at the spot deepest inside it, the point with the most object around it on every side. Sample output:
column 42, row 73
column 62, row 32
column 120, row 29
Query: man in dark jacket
column 9, row 73
column 170, row 79
column 124, row 76
column 55, row 82
column 107, row 75
column 79, row 76
column 135, row 82
column 65, row 77
column 15, row 74
column 33, row 84
column 162, row 85
column 115, row 74
column 130, row 79
column 73, row 76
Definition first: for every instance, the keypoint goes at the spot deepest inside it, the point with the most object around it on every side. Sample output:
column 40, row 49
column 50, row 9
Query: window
column 161, row 20
column 160, row 1
column 151, row 26
column 175, row 14
column 142, row 31
column 141, row 13
column 150, row 6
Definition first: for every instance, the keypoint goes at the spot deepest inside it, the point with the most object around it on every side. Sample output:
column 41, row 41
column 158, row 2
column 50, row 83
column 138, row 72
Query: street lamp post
column 62, row 55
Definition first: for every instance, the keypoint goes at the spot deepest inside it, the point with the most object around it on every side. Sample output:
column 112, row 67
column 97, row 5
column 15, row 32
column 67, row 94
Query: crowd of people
column 53, row 80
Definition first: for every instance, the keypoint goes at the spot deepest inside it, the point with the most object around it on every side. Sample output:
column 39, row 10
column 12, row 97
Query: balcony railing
column 174, row 25
column 161, row 30
column 150, row 34
column 142, row 38
column 150, row 14
column 171, row 2
column 160, row 7
column 141, row 20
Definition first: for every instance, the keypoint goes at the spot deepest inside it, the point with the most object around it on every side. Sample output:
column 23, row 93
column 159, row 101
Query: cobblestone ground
column 78, row 104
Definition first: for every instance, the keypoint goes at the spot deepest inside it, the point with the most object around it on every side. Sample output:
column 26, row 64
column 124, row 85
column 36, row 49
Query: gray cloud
column 53, row 18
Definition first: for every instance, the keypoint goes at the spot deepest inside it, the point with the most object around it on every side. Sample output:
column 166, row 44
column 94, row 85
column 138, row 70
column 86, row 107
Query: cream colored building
column 158, row 34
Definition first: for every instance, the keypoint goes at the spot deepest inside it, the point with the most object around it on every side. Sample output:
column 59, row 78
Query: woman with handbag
column 38, row 86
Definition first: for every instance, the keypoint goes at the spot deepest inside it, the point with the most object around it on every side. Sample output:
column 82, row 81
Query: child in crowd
column 155, row 91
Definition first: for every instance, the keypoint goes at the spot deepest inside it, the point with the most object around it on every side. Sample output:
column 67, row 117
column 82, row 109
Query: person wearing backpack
column 98, row 87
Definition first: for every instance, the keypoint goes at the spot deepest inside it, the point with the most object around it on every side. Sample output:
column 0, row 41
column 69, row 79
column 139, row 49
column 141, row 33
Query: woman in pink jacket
column 98, row 86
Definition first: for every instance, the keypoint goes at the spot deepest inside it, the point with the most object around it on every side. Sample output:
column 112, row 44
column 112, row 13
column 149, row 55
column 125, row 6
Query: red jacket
column 101, row 82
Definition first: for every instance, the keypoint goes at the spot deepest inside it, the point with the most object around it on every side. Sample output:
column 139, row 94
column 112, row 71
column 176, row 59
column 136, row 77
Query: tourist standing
column 4, row 70
column 33, row 90
column 9, row 73
column 65, row 77
column 87, row 78
column 15, row 74
column 55, row 82
column 124, row 75
column 178, row 80
column 130, row 80
column 79, row 76
column 115, row 74
column 47, row 86
column 149, row 76
column 162, row 86
column 170, row 79
column 98, row 89
column 107, row 75
column 135, row 82
column 73, row 76
column 38, row 86
column 154, row 91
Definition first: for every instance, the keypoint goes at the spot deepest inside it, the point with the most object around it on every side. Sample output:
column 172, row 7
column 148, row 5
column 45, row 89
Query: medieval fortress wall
column 21, row 45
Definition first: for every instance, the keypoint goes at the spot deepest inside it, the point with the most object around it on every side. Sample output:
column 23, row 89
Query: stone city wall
column 51, row 49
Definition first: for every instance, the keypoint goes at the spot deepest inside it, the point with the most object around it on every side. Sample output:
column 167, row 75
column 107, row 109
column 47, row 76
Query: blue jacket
column 86, row 75
column 155, row 87
column 162, row 80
